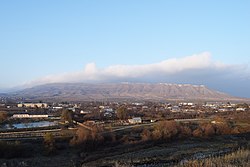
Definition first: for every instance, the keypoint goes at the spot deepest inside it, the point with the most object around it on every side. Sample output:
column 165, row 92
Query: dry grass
column 238, row 158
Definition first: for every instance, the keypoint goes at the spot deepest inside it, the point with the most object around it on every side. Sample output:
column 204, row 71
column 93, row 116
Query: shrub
column 146, row 135
column 88, row 139
column 165, row 130
column 197, row 132
column 49, row 143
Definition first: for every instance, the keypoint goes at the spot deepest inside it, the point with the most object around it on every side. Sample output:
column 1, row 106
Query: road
column 154, row 123
column 31, row 134
column 60, row 133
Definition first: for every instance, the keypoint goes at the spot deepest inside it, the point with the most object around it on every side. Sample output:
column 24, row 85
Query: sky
column 184, row 42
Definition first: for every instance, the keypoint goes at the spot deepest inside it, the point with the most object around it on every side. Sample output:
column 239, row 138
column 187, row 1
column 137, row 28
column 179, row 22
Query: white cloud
column 170, row 66
column 195, row 69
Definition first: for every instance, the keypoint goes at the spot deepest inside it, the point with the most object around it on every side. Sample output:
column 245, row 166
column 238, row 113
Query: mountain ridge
column 101, row 91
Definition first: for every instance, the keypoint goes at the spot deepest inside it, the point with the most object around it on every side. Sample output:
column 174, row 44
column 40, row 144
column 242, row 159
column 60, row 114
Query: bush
column 146, row 135
column 197, row 132
column 185, row 131
column 165, row 130
column 88, row 139
column 49, row 143
column 208, row 130
column 223, row 128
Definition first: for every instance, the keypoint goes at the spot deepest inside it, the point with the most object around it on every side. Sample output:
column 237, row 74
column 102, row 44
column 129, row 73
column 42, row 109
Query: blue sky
column 41, row 40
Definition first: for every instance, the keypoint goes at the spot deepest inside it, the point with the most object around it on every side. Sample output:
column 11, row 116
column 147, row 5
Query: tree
column 146, row 135
column 121, row 113
column 156, row 134
column 185, row 131
column 165, row 130
column 236, row 130
column 85, row 136
column 66, row 116
column 81, row 136
column 3, row 116
column 49, row 143
column 198, row 132
column 223, row 128
column 170, row 130
column 208, row 130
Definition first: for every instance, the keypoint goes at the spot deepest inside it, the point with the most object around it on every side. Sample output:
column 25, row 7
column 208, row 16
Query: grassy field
column 237, row 158
column 190, row 152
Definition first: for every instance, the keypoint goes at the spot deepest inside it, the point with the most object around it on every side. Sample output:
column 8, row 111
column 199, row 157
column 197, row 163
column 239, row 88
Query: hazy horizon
column 200, row 43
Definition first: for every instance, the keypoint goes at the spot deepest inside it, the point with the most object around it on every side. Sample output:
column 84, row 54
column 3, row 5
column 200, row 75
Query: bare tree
column 49, row 143
column 146, row 135
column 197, row 132
column 165, row 130
column 121, row 113
column 3, row 116
column 66, row 116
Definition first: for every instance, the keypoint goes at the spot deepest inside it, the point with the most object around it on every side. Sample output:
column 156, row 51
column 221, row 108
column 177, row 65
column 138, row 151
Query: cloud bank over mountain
column 195, row 69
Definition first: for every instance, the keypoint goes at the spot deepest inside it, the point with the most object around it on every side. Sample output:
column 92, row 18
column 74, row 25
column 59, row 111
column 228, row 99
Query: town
column 117, row 113
column 88, row 126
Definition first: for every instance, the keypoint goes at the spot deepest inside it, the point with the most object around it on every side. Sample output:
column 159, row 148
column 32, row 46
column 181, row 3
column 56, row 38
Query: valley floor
column 169, row 154
column 142, row 154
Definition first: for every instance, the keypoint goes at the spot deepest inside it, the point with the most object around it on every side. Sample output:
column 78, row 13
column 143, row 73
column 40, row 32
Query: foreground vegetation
column 240, row 157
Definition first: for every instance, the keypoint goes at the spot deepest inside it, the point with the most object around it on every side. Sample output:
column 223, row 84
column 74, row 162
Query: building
column 33, row 105
column 57, row 108
column 135, row 120
column 240, row 109
column 29, row 116
column 175, row 109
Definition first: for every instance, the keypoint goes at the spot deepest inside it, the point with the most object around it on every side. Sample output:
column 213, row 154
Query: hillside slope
column 82, row 91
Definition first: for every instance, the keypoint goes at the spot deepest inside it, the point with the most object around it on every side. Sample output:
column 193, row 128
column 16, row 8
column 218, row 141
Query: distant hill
column 116, row 91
